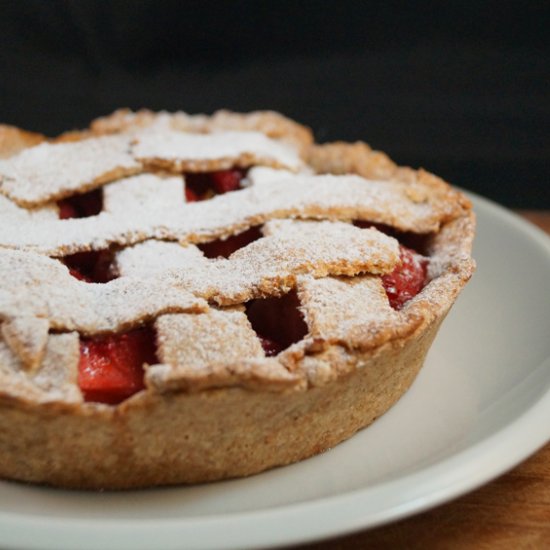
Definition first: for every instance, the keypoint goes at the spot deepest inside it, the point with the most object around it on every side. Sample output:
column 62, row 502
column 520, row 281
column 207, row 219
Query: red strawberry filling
column 226, row 247
column 271, row 347
column 78, row 275
column 92, row 267
column 407, row 279
column 204, row 185
column 225, row 181
column 277, row 321
column 190, row 195
column 111, row 367
column 81, row 206
column 410, row 275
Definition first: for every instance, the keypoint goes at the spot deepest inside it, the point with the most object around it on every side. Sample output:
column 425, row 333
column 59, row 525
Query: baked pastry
column 192, row 298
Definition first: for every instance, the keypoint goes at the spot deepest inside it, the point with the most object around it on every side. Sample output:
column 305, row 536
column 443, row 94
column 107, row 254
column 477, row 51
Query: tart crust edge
column 155, row 439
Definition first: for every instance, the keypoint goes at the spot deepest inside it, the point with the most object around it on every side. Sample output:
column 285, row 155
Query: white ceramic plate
column 480, row 405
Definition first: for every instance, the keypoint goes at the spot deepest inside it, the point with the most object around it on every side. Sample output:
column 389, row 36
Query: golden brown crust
column 359, row 158
column 13, row 140
column 52, row 171
column 270, row 123
column 216, row 408
column 350, row 158
column 415, row 206
column 194, row 437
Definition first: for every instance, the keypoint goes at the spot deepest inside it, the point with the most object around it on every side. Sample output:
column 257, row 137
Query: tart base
column 178, row 438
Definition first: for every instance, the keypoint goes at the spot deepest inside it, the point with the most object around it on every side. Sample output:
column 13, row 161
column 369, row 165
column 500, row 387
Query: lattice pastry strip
column 263, row 175
column 407, row 207
column 11, row 213
column 212, row 349
column 217, row 336
column 354, row 312
column 181, row 151
column 265, row 267
column 44, row 288
column 270, row 123
column 51, row 171
column 153, row 257
column 269, row 265
column 27, row 337
column 145, row 192
column 54, row 380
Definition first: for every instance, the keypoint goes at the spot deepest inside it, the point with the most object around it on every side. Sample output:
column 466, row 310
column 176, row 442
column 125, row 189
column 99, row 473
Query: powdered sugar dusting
column 350, row 311
column 151, row 257
column 44, row 288
column 302, row 196
column 11, row 212
column 269, row 266
column 58, row 375
column 52, row 171
column 195, row 341
column 217, row 348
column 27, row 337
column 259, row 175
column 54, row 380
column 146, row 192
column 199, row 152
column 272, row 124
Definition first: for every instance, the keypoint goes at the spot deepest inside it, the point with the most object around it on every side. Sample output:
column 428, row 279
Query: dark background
column 458, row 88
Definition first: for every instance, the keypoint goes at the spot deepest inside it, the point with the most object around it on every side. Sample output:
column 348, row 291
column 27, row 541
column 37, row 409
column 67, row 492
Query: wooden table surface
column 512, row 512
